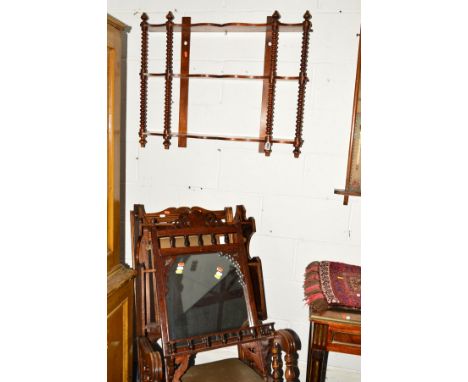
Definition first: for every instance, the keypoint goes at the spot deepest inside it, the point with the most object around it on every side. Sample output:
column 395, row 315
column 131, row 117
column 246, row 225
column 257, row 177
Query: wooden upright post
column 143, row 78
column 168, row 74
column 266, row 84
column 184, row 80
column 272, row 83
column 306, row 25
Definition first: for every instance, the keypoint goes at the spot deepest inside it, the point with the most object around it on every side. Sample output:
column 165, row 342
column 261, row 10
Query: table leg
column 318, row 354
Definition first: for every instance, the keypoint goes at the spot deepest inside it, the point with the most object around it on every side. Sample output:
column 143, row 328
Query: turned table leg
column 318, row 354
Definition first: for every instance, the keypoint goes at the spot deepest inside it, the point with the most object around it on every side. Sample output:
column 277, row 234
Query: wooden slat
column 266, row 82
column 224, row 137
column 223, row 338
column 184, row 81
column 347, row 193
column 272, row 84
column 353, row 125
column 228, row 27
column 195, row 231
column 208, row 249
column 224, row 76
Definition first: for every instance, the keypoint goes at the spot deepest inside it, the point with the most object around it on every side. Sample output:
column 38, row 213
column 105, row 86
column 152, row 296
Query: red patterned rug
column 332, row 284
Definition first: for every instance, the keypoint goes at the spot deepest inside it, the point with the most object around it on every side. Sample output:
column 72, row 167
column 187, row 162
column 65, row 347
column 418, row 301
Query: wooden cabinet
column 119, row 276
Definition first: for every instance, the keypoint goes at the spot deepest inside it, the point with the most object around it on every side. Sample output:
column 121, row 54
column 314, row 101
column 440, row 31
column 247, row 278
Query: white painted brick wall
column 299, row 219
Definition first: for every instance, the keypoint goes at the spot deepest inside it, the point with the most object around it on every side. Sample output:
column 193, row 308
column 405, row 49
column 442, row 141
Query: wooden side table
column 332, row 330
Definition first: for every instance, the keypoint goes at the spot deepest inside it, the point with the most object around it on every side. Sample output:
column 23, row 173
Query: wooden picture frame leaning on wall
column 353, row 173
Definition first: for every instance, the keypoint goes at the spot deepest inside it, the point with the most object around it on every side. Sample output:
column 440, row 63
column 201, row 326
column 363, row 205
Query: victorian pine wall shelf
column 271, row 28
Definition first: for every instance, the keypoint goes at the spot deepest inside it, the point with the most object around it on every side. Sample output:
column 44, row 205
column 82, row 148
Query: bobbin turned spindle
column 306, row 26
column 143, row 78
column 168, row 76
column 272, row 82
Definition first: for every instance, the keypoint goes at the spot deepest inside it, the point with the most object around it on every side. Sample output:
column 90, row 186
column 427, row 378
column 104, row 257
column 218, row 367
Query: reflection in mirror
column 205, row 295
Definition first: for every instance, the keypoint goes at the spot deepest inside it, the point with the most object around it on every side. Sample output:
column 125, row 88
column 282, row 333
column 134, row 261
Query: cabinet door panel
column 119, row 277
column 117, row 343
column 114, row 53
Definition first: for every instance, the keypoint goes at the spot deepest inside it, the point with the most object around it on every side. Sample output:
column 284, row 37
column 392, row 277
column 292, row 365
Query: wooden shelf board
column 222, row 137
column 228, row 27
column 228, row 76
column 347, row 192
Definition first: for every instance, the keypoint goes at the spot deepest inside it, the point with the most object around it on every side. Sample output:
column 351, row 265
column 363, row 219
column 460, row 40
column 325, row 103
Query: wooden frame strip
column 272, row 83
column 347, row 192
column 266, row 81
column 225, row 138
column 235, row 27
column 184, row 80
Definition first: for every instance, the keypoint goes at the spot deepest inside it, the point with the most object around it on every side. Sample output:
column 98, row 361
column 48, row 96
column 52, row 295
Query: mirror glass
column 205, row 295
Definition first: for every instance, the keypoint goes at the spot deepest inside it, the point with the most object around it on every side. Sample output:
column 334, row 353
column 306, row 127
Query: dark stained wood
column 183, row 364
column 143, row 78
column 271, row 28
column 289, row 342
column 266, row 84
column 332, row 330
column 272, row 83
column 168, row 87
column 318, row 353
column 223, row 339
column 228, row 27
column 150, row 362
column 276, row 363
column 298, row 142
column 162, row 234
column 225, row 76
column 184, row 80
column 224, row 138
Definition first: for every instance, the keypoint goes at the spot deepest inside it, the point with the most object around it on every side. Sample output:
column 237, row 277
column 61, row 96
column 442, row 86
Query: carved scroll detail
column 183, row 364
column 255, row 354
column 195, row 217
column 149, row 362
column 289, row 342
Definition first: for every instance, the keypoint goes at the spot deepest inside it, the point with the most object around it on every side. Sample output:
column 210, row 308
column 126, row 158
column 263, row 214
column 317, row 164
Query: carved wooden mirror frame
column 205, row 235
column 197, row 231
